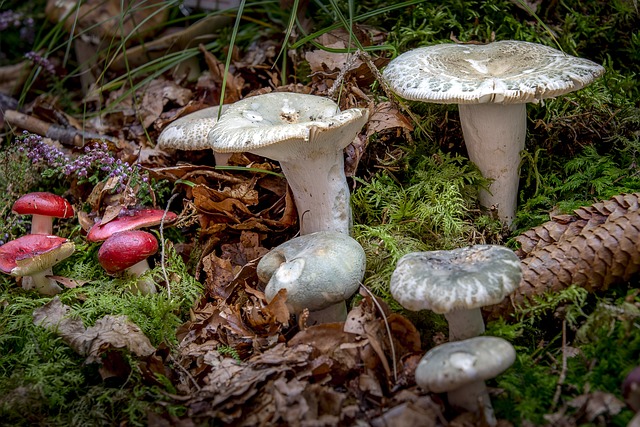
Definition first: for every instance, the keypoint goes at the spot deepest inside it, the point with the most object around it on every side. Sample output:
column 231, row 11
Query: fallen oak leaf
column 68, row 282
column 109, row 332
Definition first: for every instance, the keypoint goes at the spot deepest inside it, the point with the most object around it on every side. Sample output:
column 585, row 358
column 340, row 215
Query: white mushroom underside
column 501, row 72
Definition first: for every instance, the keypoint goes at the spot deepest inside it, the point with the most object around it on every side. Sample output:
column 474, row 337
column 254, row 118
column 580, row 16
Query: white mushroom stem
column 334, row 313
column 41, row 224
column 43, row 284
column 465, row 324
column 473, row 397
column 146, row 285
column 222, row 159
column 494, row 135
column 320, row 191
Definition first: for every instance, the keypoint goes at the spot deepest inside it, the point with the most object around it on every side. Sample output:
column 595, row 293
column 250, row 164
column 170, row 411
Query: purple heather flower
column 95, row 160
column 41, row 61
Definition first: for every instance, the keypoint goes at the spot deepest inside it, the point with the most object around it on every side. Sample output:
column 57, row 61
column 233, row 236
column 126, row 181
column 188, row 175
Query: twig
column 386, row 324
column 186, row 372
column 162, row 263
column 563, row 371
column 66, row 135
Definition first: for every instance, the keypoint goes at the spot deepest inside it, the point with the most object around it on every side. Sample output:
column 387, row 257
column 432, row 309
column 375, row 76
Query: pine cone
column 596, row 247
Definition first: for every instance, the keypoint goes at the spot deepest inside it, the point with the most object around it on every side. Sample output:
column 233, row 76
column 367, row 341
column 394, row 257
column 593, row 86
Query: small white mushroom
column 191, row 132
column 307, row 135
column 319, row 271
column 491, row 85
column 460, row 369
column 457, row 283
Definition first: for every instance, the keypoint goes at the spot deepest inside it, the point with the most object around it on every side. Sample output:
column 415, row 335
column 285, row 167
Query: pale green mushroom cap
column 505, row 72
column 453, row 365
column 464, row 278
column 317, row 270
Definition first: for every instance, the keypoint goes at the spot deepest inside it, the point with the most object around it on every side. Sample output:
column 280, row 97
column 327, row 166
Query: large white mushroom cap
column 281, row 126
column 508, row 72
column 459, row 279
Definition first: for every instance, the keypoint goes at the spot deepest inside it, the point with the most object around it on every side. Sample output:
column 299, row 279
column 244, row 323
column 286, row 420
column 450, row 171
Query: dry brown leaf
column 419, row 411
column 111, row 18
column 69, row 283
column 156, row 95
column 109, row 332
column 386, row 116
column 220, row 274
column 235, row 83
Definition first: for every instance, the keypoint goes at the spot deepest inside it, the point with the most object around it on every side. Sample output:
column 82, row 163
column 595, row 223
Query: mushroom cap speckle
column 452, row 365
column 506, row 72
column 464, row 278
column 33, row 253
column 43, row 203
column 258, row 123
column 191, row 132
column 318, row 270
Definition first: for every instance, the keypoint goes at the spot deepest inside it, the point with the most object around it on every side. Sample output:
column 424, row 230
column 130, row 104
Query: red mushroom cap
column 139, row 218
column 43, row 203
column 126, row 248
column 33, row 253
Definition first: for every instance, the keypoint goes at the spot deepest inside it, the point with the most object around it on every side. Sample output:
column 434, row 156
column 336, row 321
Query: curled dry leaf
column 109, row 332
column 156, row 95
column 235, row 83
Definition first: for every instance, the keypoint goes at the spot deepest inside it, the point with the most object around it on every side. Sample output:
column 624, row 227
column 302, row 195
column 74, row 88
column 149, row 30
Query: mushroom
column 191, row 132
column 457, row 283
column 127, row 251
column 43, row 207
column 319, row 271
column 491, row 85
column 33, row 256
column 631, row 389
column 129, row 220
column 460, row 369
column 307, row 135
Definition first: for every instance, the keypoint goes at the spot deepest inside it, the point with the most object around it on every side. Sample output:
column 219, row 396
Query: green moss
column 603, row 346
column 42, row 378
column 429, row 212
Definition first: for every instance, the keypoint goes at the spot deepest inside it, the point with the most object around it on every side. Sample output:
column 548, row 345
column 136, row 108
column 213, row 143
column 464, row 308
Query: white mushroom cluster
column 307, row 135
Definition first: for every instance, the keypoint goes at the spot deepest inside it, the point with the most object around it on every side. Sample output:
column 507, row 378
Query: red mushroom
column 44, row 207
column 127, row 251
column 132, row 220
column 32, row 256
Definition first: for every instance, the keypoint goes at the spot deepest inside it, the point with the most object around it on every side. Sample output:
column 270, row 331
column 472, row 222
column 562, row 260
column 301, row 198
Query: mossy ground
column 580, row 148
